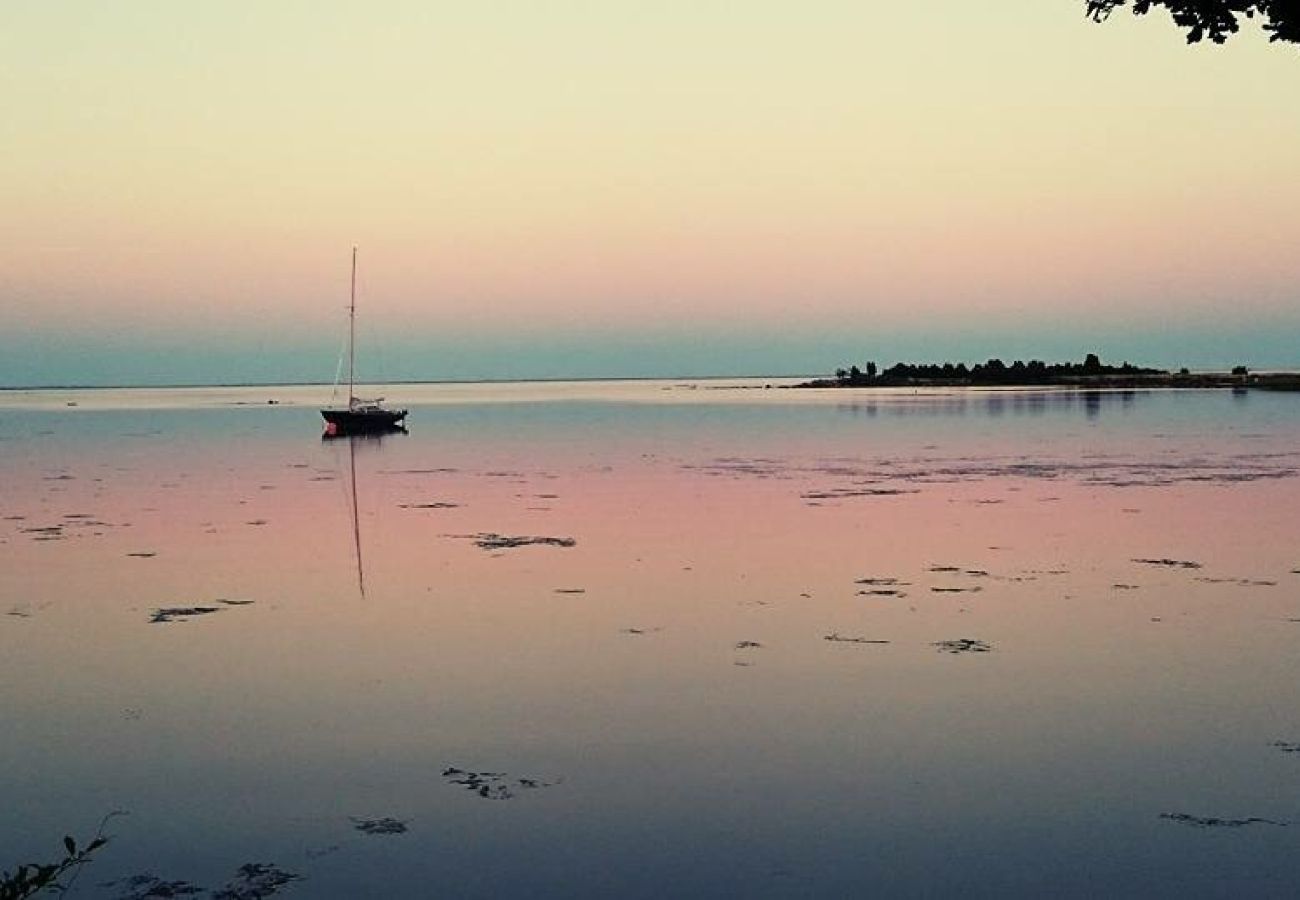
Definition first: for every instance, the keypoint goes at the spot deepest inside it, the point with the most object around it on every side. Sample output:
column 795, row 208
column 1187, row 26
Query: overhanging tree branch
column 1215, row 19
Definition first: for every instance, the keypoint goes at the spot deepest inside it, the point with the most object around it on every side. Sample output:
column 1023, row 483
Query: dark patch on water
column 882, row 592
column 843, row 639
column 1120, row 586
column 252, row 881
column 639, row 631
column 143, row 554
column 44, row 532
column 974, row 589
column 570, row 590
column 381, row 826
column 184, row 613
column 1241, row 582
column 151, row 887
column 255, row 881
column 963, row 645
column 1169, row 563
column 256, row 522
column 844, row 493
column 181, row 613
column 436, row 504
column 1216, row 822
column 493, row 785
column 882, row 581
column 1286, row 746
column 492, row 541
column 748, row 645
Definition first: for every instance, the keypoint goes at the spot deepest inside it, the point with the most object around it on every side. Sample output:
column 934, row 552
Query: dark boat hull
column 363, row 421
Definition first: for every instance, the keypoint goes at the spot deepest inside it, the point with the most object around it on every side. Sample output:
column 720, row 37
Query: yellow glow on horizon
column 577, row 161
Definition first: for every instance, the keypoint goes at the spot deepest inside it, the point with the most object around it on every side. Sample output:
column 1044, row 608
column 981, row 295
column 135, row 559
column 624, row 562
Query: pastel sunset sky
column 616, row 188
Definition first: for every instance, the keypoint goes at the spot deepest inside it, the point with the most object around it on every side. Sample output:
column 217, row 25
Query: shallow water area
column 656, row 638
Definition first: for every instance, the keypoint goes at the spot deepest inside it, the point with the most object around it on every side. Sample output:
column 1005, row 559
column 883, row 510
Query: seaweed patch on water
column 1122, row 586
column 143, row 554
column 493, row 785
column 845, row 493
column 973, row 589
column 836, row 637
column 180, row 613
column 748, row 645
column 492, row 541
column 639, row 631
column 962, row 645
column 150, row 887
column 570, row 591
column 1240, row 582
column 1216, row 822
column 45, row 532
column 1286, row 746
column 252, row 881
column 1169, row 563
column 882, row 592
column 883, row 582
column 385, row 825
column 435, row 504
column 255, row 881
column 167, row 614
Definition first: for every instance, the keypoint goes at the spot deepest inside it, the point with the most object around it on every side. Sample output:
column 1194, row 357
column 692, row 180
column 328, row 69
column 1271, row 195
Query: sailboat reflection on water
column 371, row 439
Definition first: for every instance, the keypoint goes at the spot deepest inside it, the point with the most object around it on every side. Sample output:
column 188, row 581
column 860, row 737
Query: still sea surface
column 775, row 643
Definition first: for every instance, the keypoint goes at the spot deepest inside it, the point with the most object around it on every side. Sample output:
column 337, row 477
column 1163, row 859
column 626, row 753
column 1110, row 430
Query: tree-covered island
column 1092, row 372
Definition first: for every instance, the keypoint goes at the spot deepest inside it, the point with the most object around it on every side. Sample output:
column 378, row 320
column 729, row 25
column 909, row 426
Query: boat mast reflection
column 365, row 439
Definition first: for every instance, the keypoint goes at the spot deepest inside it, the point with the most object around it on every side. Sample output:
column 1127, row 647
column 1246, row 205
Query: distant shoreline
column 1090, row 373
column 1277, row 381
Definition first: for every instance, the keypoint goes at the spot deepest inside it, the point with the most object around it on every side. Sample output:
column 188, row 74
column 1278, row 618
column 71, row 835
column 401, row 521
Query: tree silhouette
column 1215, row 19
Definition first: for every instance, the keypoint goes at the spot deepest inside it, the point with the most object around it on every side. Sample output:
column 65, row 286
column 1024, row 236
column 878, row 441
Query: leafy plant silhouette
column 29, row 879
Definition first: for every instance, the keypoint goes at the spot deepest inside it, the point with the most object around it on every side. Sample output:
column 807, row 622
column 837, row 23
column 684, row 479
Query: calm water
column 733, row 682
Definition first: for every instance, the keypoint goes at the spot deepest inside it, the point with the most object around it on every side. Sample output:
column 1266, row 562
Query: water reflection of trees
column 994, row 403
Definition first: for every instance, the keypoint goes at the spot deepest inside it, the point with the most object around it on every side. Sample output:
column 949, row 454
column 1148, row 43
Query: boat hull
column 363, row 421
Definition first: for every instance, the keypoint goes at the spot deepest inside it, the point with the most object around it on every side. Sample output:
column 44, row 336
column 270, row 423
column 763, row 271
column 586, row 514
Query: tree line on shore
column 994, row 371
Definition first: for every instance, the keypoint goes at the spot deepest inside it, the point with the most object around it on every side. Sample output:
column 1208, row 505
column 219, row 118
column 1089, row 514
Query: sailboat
column 360, row 416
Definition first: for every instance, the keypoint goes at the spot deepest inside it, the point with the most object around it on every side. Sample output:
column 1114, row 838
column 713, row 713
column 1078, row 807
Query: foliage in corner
column 1215, row 19
column 29, row 879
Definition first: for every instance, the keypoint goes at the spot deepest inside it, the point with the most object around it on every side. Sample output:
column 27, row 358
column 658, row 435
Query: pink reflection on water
column 679, row 643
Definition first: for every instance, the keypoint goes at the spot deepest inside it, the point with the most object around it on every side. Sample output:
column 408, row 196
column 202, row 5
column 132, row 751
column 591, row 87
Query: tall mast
column 352, row 329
